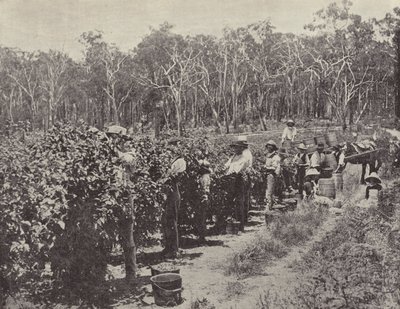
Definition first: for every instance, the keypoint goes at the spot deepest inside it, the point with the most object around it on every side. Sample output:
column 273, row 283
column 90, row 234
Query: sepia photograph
column 198, row 154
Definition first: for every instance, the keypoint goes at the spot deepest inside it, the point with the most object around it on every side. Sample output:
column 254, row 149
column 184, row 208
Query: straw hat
column 312, row 172
column 240, row 142
column 373, row 176
column 116, row 130
column 271, row 143
column 302, row 146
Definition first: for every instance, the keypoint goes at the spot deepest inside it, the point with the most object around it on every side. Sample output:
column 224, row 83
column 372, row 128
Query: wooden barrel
column 320, row 139
column 338, row 179
column 331, row 161
column 331, row 139
column 327, row 187
column 326, row 172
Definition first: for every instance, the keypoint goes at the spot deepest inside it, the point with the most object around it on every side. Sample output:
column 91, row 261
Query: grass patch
column 288, row 230
column 296, row 228
column 201, row 304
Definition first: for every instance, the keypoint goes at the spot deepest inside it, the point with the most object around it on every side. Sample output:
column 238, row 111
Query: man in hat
column 373, row 183
column 302, row 162
column 118, row 137
column 338, row 152
column 239, row 164
column 242, row 159
column 169, row 218
column 290, row 131
column 318, row 158
column 273, row 168
column 311, row 181
column 204, row 192
column 287, row 169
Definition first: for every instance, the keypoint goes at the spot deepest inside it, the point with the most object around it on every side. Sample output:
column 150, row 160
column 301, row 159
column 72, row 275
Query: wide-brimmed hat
column 375, row 176
column 302, row 146
column 271, row 143
column 290, row 121
column 117, row 130
column 312, row 172
column 240, row 142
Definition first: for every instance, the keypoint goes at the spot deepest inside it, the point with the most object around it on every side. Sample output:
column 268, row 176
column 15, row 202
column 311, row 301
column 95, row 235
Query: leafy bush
column 353, row 266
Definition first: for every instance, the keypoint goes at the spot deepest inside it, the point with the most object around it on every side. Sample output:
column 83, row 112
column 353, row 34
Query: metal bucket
column 167, row 289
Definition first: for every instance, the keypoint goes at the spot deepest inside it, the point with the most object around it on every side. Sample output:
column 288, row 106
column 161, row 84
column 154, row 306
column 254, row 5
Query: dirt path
column 202, row 268
column 204, row 277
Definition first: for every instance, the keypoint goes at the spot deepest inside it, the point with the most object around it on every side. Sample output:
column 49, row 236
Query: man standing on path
column 290, row 132
column 302, row 162
column 169, row 218
column 273, row 168
column 204, row 194
column 238, row 165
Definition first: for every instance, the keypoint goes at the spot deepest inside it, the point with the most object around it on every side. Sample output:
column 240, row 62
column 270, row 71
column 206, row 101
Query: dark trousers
column 287, row 177
column 202, row 214
column 240, row 201
column 301, row 173
column 169, row 219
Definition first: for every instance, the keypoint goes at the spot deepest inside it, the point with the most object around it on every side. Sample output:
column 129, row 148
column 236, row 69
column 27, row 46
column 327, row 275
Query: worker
column 204, row 193
column 318, row 158
column 118, row 137
column 311, row 182
column 290, row 132
column 338, row 152
column 273, row 169
column 301, row 162
column 287, row 169
column 373, row 183
column 169, row 218
column 237, row 166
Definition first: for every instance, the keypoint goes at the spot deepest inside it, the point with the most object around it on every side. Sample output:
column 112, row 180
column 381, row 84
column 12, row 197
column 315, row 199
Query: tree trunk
column 396, row 40
column 129, row 247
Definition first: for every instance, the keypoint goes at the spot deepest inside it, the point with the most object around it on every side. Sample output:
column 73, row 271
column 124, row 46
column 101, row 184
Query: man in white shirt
column 302, row 162
column 339, row 156
column 290, row 132
column 242, row 160
column 273, row 167
column 239, row 164
column 318, row 158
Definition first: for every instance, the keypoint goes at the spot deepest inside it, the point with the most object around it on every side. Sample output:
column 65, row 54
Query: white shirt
column 179, row 166
column 273, row 162
column 289, row 133
column 239, row 163
column 317, row 159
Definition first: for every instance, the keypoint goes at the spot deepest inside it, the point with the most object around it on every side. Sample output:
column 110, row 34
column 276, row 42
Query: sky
column 57, row 24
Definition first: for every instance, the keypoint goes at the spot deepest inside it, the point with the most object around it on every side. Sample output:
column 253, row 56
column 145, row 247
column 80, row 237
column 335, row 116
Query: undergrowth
column 354, row 266
column 289, row 229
